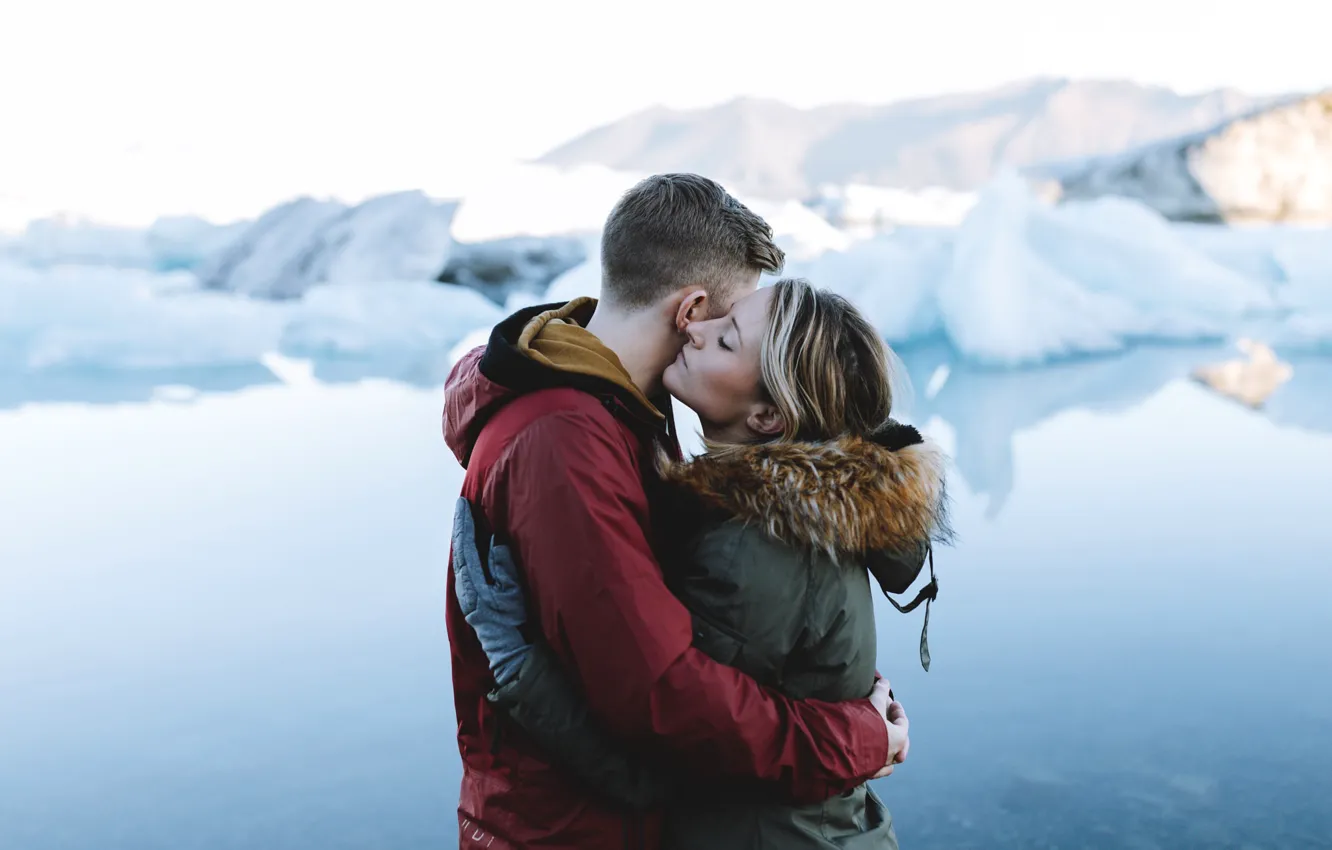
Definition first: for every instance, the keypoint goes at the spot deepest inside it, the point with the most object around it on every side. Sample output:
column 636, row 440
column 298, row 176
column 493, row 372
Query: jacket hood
column 558, row 340
column 542, row 347
column 847, row 497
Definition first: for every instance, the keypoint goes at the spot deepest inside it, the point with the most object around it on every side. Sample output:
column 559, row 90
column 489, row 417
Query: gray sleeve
column 547, row 705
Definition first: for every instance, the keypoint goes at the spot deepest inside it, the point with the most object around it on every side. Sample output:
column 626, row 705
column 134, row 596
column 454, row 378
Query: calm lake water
column 221, row 614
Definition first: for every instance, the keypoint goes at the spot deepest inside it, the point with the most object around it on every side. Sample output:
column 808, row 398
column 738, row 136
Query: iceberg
column 383, row 319
column 1117, row 246
column 186, row 242
column 263, row 261
column 1000, row 302
column 403, row 236
column 1030, row 282
column 500, row 268
column 1020, row 282
column 125, row 319
column 169, row 244
column 56, row 241
column 1275, row 254
column 72, row 317
column 306, row 242
column 892, row 279
column 1249, row 251
column 1023, row 282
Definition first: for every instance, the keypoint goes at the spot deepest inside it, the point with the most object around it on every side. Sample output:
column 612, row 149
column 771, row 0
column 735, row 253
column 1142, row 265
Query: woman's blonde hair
column 823, row 365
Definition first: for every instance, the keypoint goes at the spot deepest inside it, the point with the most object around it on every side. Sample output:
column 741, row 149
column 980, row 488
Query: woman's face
column 717, row 372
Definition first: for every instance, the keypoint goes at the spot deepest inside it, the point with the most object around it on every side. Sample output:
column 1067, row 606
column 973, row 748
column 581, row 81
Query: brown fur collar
column 845, row 496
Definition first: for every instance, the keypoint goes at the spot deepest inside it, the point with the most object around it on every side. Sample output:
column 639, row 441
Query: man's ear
column 693, row 308
column 766, row 420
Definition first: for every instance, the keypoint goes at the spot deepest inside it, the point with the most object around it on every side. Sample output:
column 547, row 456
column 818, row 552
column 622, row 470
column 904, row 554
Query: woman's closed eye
column 721, row 340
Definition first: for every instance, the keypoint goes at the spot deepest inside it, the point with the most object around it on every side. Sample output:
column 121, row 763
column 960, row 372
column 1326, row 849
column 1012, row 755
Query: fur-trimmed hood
column 847, row 497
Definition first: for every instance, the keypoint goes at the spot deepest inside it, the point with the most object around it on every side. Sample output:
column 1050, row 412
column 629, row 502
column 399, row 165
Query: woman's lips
column 681, row 359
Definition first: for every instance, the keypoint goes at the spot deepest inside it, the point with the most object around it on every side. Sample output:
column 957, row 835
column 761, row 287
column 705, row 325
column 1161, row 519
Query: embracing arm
column 576, row 515
column 549, row 707
column 531, row 686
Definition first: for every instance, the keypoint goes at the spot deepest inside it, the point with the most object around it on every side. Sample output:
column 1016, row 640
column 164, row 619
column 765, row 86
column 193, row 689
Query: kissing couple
column 653, row 652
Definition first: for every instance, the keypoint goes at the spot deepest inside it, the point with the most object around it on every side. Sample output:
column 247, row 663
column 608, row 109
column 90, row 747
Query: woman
column 806, row 490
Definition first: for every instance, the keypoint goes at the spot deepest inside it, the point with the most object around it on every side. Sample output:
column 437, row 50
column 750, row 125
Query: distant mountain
column 957, row 141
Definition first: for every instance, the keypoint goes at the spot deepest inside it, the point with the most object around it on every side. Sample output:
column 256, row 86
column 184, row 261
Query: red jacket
column 555, row 460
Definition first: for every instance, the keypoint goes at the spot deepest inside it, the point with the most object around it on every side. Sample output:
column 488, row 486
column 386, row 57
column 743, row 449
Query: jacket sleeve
column 577, row 514
column 550, row 708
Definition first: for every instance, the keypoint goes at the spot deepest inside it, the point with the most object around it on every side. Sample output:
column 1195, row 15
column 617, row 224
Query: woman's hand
column 895, row 718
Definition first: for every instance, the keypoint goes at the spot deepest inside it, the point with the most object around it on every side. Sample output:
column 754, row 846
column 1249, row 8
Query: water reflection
column 1305, row 402
column 122, row 386
column 1157, row 574
column 985, row 408
column 977, row 411
column 220, row 621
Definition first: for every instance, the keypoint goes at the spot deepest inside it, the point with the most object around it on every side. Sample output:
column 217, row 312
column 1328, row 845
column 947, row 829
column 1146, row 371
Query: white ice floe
column 120, row 319
column 1029, row 282
column 1019, row 282
column 307, row 242
column 1022, row 281
column 892, row 279
column 168, row 244
column 116, row 318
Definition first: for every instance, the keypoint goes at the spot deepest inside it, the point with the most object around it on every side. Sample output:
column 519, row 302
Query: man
column 556, row 423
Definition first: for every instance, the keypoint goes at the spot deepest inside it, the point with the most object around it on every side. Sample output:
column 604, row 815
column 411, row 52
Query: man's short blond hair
column 676, row 230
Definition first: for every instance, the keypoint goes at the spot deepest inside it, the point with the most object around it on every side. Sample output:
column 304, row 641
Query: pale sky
column 128, row 109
